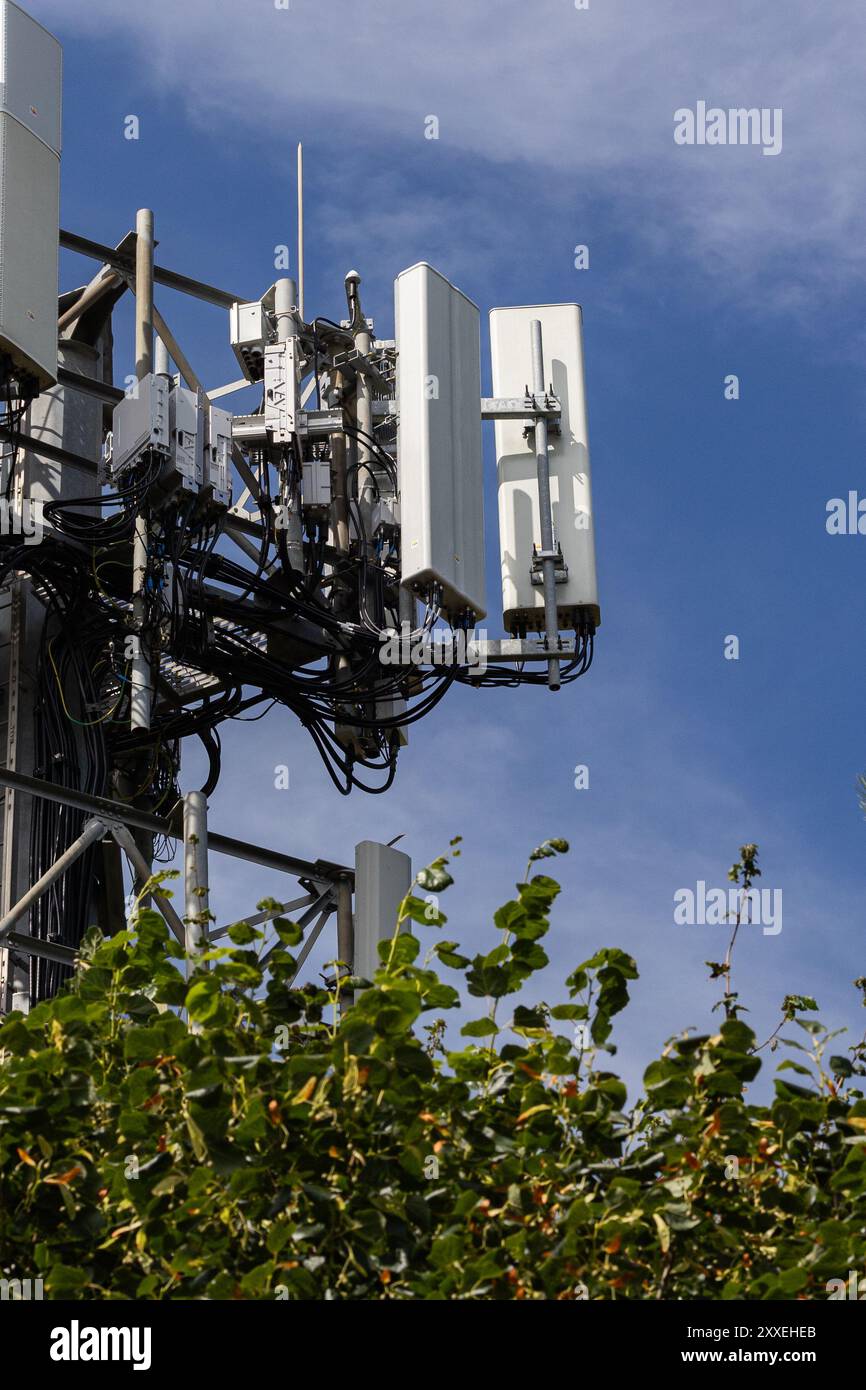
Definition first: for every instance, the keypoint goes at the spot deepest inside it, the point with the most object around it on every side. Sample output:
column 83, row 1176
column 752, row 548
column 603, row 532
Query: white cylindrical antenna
column 161, row 362
column 285, row 300
column 301, row 230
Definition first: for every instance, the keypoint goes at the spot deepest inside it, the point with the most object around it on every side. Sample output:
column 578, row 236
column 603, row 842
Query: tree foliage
column 230, row 1136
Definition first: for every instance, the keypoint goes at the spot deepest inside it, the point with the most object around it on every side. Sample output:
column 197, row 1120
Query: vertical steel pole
column 339, row 538
column 345, row 929
column 285, row 301
column 141, row 675
column 363, row 400
column 141, row 684
column 301, row 231
column 195, row 871
column 143, row 293
column 548, row 555
column 339, row 486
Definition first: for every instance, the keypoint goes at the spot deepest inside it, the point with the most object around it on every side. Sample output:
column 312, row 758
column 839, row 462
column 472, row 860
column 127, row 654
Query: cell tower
column 166, row 564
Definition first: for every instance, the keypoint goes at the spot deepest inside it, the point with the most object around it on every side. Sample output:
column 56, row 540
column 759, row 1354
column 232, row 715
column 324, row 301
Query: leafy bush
column 280, row 1145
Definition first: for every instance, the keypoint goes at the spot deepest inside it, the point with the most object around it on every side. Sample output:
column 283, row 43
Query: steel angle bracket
column 536, row 572
column 542, row 405
column 520, row 649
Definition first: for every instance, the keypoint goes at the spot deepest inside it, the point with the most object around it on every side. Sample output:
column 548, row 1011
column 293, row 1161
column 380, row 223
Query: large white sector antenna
column 30, row 113
column 520, row 527
column 439, row 442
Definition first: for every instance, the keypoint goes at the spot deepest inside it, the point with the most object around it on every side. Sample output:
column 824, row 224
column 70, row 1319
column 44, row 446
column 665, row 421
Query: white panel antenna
column 383, row 876
column 569, row 467
column 30, row 110
column 439, row 441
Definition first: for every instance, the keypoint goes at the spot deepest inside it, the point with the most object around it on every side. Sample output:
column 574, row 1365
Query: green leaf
column 435, row 878
column 241, row 933
column 448, row 954
column 203, row 998
column 196, row 1138
column 479, row 1028
column 63, row 1280
column 289, row 933
column 401, row 951
column 840, row 1066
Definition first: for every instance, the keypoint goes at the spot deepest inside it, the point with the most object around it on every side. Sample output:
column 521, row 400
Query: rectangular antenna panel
column 439, row 440
column 30, row 104
column 383, row 876
column 570, row 491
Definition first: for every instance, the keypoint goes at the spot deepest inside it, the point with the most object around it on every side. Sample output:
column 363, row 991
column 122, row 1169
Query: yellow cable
column 82, row 723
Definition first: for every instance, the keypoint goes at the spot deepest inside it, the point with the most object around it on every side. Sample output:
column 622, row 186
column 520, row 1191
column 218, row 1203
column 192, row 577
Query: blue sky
column 556, row 128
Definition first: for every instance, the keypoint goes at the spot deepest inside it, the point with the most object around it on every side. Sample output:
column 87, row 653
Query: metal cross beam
column 124, row 263
column 223, row 844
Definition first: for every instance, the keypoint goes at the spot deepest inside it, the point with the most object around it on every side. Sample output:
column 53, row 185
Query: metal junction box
column 439, row 440
column 249, row 334
column 217, row 456
column 187, row 437
column 570, row 491
column 316, row 486
column 140, row 424
column 30, row 111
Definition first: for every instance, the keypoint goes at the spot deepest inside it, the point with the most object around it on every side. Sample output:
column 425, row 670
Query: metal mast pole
column 547, row 554
column 142, row 683
column 285, row 299
column 141, row 675
column 345, row 930
column 363, row 399
column 339, row 538
column 301, row 231
column 195, row 871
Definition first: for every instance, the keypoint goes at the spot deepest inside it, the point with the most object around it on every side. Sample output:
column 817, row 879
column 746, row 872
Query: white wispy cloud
column 586, row 97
